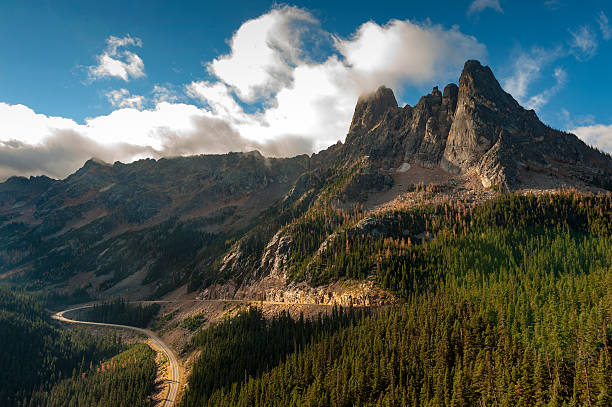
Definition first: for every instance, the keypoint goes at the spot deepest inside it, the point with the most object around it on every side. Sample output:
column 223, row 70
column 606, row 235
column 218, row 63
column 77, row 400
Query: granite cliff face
column 475, row 128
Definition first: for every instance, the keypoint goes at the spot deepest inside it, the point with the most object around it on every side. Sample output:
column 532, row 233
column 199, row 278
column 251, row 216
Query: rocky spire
column 478, row 82
column 371, row 108
column 482, row 109
column 449, row 98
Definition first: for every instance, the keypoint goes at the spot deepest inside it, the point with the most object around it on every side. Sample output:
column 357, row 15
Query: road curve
column 174, row 379
column 174, row 366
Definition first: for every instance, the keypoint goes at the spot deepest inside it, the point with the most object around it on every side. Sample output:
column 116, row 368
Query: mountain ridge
column 152, row 225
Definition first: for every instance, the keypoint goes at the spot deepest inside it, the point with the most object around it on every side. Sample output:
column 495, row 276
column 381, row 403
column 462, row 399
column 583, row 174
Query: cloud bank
column 300, row 100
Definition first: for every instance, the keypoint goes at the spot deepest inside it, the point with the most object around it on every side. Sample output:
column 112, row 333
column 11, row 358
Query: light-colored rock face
column 404, row 167
column 275, row 257
column 276, row 290
column 481, row 107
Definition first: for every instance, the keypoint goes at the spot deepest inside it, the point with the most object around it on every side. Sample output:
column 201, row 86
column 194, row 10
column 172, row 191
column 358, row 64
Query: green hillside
column 507, row 302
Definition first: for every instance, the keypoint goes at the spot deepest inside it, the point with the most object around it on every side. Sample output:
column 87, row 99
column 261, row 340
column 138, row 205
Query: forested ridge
column 249, row 344
column 126, row 380
column 507, row 302
column 36, row 353
column 504, row 302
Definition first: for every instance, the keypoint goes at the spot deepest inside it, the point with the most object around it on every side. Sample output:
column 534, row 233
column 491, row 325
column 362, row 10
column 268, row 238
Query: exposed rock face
column 437, row 127
column 345, row 293
column 474, row 128
column 482, row 107
column 275, row 256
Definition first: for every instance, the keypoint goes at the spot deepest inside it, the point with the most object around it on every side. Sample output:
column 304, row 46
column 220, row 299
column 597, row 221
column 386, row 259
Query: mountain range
column 242, row 225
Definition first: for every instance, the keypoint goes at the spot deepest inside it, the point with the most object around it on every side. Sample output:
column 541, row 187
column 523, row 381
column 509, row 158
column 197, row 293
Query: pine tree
column 525, row 385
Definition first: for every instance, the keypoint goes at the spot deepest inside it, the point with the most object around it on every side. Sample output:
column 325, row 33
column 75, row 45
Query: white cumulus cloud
column 123, row 98
column 218, row 97
column 58, row 148
column 403, row 51
column 263, row 52
column 116, row 61
column 315, row 100
column 21, row 123
column 274, row 91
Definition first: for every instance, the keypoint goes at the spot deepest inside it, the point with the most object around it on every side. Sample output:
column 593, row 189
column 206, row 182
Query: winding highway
column 174, row 370
column 173, row 380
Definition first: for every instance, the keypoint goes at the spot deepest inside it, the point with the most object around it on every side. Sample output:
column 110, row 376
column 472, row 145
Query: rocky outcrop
column 275, row 257
column 345, row 293
column 482, row 108
column 437, row 127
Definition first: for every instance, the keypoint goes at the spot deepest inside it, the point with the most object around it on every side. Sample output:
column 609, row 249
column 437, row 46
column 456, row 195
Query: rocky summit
column 477, row 129
column 228, row 223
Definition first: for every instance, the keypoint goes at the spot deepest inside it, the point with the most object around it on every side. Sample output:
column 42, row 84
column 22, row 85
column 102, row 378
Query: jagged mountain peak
column 450, row 91
column 473, row 128
column 381, row 95
column 94, row 161
column 371, row 107
column 478, row 81
column 466, row 134
column 474, row 71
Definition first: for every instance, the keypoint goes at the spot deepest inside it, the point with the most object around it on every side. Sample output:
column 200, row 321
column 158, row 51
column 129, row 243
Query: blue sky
column 124, row 80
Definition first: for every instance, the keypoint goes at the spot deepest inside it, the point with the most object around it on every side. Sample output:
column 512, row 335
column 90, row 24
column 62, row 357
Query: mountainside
column 243, row 225
column 123, row 218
